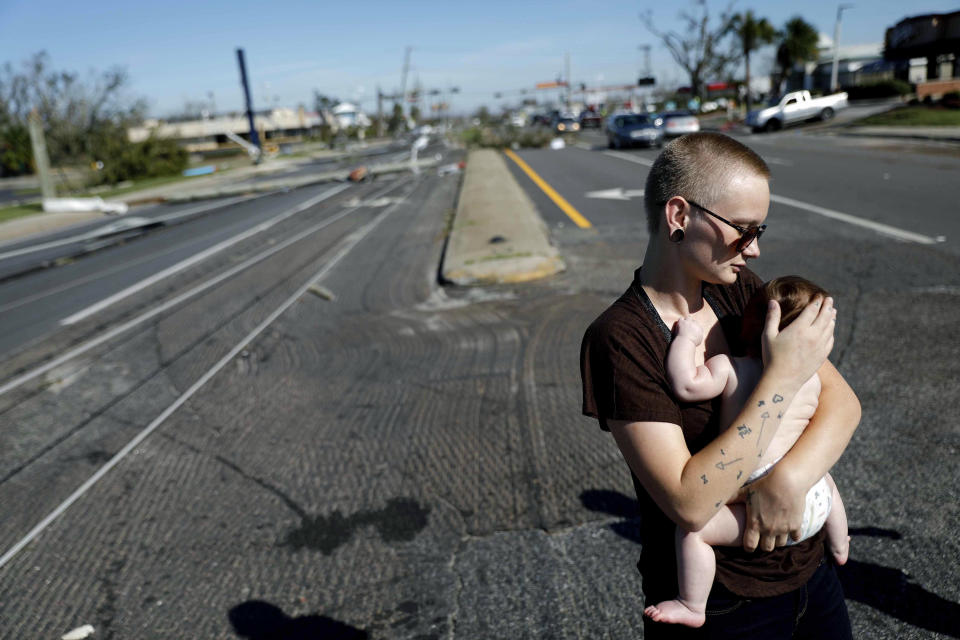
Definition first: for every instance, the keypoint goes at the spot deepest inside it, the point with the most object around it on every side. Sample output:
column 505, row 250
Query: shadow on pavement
column 259, row 620
column 886, row 589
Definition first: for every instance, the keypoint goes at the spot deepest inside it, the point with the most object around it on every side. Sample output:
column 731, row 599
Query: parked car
column 796, row 106
column 566, row 124
column 632, row 129
column 590, row 119
column 677, row 123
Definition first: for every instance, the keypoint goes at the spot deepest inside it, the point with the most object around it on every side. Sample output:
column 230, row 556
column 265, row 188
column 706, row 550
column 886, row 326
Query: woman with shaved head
column 706, row 201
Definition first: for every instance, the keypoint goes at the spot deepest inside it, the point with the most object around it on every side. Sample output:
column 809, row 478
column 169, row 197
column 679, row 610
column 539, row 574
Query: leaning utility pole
column 403, row 78
column 379, row 112
column 254, row 137
column 40, row 158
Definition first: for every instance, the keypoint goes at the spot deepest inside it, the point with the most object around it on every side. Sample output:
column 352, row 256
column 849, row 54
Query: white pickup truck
column 795, row 106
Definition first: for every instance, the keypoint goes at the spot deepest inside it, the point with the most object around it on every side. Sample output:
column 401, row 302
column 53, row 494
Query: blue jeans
column 815, row 611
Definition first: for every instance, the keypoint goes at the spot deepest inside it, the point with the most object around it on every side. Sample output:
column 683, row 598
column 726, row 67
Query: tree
column 396, row 123
column 698, row 48
column 752, row 33
column 83, row 121
column 798, row 44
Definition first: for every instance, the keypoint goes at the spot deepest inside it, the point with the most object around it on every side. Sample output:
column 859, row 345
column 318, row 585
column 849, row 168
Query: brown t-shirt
column 622, row 364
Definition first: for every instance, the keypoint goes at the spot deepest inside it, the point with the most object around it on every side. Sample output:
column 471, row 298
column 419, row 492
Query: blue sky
column 177, row 51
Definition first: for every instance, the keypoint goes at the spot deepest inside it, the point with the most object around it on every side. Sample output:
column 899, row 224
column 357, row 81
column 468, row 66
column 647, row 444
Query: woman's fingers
column 751, row 537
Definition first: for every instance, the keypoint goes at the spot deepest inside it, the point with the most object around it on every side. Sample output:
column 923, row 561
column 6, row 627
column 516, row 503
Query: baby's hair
column 792, row 292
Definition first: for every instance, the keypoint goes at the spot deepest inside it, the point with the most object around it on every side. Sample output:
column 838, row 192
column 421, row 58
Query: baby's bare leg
column 696, row 566
column 838, row 538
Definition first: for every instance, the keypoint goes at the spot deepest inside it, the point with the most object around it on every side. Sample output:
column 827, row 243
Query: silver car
column 677, row 123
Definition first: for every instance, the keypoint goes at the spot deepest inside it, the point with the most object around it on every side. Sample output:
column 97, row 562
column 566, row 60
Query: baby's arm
column 692, row 383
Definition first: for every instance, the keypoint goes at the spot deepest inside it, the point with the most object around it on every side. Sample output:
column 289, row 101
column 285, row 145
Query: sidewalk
column 943, row 134
column 229, row 183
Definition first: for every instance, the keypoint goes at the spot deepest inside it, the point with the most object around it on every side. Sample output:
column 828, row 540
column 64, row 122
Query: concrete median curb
column 497, row 235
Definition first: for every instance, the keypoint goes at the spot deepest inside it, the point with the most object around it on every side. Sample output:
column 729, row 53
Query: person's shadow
column 259, row 620
column 886, row 589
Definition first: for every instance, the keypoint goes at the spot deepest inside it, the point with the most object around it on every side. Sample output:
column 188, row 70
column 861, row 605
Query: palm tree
column 753, row 33
column 798, row 44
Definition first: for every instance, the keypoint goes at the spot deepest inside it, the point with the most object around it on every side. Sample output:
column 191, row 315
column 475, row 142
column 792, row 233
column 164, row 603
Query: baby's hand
column 690, row 329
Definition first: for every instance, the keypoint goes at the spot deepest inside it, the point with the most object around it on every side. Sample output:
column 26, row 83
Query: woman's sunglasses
column 747, row 234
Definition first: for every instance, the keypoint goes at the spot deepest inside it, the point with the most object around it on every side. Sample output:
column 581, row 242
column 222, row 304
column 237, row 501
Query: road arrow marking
column 615, row 194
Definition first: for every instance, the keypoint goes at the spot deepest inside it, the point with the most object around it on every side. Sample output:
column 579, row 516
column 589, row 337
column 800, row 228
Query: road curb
column 497, row 235
column 35, row 226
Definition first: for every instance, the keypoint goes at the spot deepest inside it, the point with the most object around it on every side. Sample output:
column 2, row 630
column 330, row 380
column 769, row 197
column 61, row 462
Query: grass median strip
column 558, row 200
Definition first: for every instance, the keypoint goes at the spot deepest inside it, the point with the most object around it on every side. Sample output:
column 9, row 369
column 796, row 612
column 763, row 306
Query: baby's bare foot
column 840, row 552
column 675, row 612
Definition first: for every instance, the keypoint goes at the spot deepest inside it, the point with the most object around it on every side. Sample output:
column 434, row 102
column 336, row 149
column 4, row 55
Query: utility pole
column 40, row 158
column 379, row 112
column 403, row 78
column 836, row 46
column 646, row 70
column 567, row 77
column 254, row 137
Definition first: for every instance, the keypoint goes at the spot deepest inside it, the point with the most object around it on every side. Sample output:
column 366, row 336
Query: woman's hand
column 801, row 348
column 775, row 507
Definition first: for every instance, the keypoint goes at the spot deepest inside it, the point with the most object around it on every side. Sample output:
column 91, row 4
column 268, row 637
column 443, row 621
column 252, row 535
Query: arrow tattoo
column 723, row 465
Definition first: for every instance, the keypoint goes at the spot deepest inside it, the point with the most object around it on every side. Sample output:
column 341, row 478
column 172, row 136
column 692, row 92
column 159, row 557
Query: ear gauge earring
column 676, row 236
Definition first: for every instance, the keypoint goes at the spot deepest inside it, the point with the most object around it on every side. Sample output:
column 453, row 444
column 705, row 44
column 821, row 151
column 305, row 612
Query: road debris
column 79, row 633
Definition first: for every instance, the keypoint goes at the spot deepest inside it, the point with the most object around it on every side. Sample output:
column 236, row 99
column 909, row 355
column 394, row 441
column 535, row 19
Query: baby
column 734, row 379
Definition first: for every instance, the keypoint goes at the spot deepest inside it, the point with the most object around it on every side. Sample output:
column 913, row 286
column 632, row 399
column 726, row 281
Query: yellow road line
column 565, row 206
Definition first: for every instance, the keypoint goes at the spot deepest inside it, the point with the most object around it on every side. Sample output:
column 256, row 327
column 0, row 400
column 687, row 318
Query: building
column 931, row 42
column 206, row 134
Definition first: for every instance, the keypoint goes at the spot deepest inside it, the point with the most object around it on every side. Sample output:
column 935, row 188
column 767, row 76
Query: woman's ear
column 675, row 211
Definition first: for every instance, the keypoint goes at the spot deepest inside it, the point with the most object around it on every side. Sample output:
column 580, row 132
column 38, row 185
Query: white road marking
column 780, row 161
column 629, row 157
column 147, row 315
column 618, row 193
column 91, row 235
column 879, row 227
column 199, row 257
column 348, row 244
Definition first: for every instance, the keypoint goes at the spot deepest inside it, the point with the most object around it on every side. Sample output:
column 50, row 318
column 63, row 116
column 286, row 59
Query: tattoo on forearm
column 761, row 403
column 744, row 430
column 780, row 416
column 777, row 398
column 704, row 478
column 763, row 416
column 723, row 465
column 739, row 473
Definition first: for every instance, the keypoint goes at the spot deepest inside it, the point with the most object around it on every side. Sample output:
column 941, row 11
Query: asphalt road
column 384, row 457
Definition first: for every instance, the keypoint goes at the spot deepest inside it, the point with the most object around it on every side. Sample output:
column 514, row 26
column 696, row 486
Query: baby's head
column 792, row 292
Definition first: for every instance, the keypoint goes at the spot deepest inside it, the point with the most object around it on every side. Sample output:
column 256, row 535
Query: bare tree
column 75, row 112
column 700, row 50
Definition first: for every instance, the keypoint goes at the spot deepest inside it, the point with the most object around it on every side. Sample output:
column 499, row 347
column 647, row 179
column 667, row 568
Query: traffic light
column 646, row 82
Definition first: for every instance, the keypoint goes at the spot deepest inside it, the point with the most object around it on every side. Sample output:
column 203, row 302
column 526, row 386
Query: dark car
column 566, row 124
column 590, row 119
column 632, row 129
